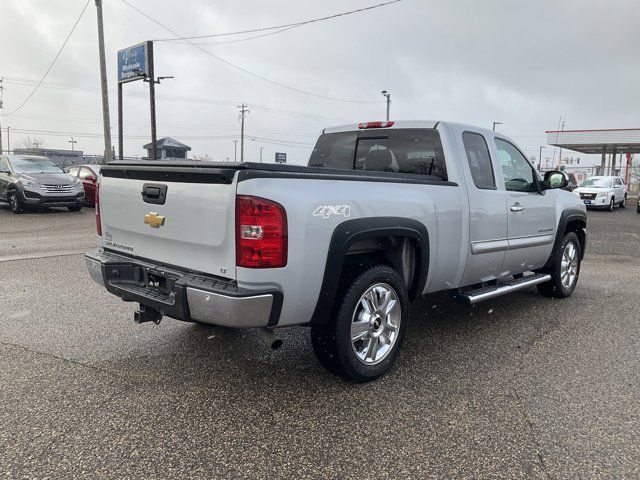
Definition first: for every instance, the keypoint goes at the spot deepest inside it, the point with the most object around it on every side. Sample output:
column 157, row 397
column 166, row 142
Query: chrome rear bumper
column 183, row 295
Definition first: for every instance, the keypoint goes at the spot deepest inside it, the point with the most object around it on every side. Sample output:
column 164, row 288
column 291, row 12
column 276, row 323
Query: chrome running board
column 472, row 297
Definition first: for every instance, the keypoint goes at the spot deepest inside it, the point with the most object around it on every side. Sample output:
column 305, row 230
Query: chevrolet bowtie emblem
column 154, row 220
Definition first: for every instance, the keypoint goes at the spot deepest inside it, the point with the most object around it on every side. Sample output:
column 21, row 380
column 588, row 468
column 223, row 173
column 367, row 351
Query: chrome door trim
column 500, row 244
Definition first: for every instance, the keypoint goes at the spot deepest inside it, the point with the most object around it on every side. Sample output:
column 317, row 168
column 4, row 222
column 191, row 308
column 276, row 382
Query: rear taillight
column 261, row 233
column 366, row 125
column 97, row 202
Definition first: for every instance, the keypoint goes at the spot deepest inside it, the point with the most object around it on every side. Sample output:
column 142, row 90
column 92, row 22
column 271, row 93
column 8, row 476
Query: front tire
column 564, row 270
column 363, row 341
column 612, row 204
column 15, row 205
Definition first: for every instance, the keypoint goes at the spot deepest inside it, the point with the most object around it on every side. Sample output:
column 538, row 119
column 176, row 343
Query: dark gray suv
column 33, row 181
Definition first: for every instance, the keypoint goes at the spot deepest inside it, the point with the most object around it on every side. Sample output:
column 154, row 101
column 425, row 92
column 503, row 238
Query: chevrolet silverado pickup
column 384, row 213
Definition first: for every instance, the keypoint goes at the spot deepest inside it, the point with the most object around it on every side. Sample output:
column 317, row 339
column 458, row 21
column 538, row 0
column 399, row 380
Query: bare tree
column 31, row 142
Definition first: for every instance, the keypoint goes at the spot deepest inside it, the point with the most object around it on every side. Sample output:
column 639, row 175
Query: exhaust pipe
column 272, row 339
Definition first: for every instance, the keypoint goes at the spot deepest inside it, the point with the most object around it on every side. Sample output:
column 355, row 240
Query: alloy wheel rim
column 375, row 324
column 13, row 202
column 569, row 265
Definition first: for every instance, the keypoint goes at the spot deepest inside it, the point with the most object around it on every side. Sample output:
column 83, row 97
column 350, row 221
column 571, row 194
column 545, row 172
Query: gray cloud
column 521, row 63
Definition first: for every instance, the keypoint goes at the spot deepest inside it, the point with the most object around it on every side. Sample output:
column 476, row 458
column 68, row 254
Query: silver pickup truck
column 384, row 213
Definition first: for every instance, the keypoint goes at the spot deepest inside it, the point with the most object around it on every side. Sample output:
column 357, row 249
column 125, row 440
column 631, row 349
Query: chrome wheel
column 14, row 205
column 569, row 265
column 375, row 324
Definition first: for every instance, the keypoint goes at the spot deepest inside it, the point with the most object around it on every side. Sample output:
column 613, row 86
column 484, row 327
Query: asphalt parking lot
column 518, row 387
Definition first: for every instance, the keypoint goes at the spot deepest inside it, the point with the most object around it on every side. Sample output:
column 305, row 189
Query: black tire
column 623, row 203
column 555, row 288
column 332, row 343
column 638, row 206
column 612, row 204
column 15, row 205
column 74, row 208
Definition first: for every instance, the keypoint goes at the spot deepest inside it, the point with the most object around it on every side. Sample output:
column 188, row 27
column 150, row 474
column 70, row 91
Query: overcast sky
column 523, row 63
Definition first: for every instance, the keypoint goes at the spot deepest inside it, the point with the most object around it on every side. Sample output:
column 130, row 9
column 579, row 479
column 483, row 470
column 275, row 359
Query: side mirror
column 555, row 179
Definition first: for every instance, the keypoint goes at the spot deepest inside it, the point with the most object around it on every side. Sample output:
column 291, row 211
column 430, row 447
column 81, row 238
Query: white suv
column 603, row 192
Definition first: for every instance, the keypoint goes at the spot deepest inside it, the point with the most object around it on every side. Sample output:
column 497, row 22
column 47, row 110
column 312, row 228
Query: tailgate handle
column 154, row 193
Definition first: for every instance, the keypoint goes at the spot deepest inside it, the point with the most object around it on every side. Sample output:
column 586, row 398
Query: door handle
column 516, row 207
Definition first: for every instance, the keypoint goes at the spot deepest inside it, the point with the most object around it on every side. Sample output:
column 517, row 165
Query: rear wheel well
column 401, row 253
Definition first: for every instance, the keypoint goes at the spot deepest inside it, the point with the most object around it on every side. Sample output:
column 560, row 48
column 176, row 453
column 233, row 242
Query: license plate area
column 159, row 282
column 587, row 202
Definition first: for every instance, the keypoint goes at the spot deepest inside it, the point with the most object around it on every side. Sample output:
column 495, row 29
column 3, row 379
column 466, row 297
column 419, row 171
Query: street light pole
column 494, row 125
column 261, row 148
column 386, row 94
column 235, row 150
column 106, row 123
column 540, row 159
column 72, row 142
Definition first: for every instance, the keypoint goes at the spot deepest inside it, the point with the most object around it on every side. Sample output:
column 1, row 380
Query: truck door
column 531, row 212
column 487, row 211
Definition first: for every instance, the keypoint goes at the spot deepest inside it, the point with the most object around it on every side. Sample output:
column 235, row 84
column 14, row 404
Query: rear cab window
column 416, row 151
column 479, row 160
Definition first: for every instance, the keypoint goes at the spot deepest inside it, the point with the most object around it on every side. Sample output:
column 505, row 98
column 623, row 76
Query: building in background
column 63, row 158
column 168, row 149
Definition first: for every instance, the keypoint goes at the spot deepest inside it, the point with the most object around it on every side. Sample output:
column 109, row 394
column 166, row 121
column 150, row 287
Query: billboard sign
column 281, row 157
column 133, row 62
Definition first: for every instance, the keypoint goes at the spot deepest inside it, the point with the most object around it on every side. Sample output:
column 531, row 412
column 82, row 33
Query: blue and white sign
column 281, row 157
column 133, row 62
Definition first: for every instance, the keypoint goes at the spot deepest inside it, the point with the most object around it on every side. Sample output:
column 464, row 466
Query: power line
column 88, row 89
column 242, row 69
column 53, row 61
column 281, row 28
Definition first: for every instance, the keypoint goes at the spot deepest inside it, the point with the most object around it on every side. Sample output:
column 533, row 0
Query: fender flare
column 351, row 231
column 566, row 217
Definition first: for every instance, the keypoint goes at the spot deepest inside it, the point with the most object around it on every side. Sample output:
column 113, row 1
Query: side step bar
column 472, row 297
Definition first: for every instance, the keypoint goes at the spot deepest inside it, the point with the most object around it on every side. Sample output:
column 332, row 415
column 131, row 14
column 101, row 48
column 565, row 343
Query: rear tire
column 362, row 341
column 564, row 270
column 15, row 205
column 623, row 204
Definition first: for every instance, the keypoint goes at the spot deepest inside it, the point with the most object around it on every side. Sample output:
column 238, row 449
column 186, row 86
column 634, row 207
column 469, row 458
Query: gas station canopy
column 612, row 140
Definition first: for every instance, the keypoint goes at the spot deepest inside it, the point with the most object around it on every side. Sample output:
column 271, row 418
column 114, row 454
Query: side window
column 518, row 173
column 85, row 172
column 4, row 165
column 479, row 160
column 73, row 171
column 617, row 182
column 416, row 151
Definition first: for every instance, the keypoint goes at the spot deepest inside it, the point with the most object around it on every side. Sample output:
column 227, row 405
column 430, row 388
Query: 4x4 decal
column 325, row 211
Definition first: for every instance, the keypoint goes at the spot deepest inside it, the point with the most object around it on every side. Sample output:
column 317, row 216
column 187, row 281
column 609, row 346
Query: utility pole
column 235, row 150
column 243, row 113
column 386, row 94
column 72, row 142
column 560, row 156
column 106, row 123
column 8, row 141
column 261, row 148
column 494, row 125
column 540, row 159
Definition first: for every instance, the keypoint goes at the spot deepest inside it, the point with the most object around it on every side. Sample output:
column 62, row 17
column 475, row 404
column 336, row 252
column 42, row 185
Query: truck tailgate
column 193, row 228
